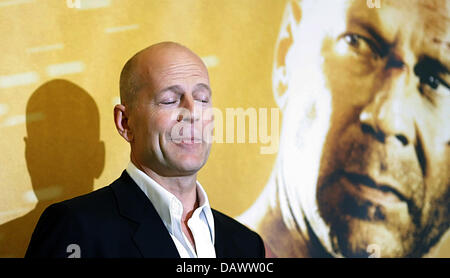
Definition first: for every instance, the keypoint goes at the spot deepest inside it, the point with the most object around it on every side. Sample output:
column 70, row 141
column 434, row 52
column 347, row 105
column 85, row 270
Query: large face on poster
column 364, row 152
column 362, row 162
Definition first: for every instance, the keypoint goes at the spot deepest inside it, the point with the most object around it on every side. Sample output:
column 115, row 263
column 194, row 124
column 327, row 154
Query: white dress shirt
column 170, row 209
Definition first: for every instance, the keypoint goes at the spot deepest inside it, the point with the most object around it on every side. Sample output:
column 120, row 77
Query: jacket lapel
column 150, row 236
column 219, row 238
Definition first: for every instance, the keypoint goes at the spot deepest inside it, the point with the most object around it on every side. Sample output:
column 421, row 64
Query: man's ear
column 121, row 122
column 280, row 75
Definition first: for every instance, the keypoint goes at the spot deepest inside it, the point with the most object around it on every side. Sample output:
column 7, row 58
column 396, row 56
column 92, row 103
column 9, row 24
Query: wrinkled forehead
column 428, row 16
column 423, row 26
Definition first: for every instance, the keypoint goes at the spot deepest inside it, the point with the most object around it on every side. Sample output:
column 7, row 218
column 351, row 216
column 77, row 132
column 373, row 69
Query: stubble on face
column 376, row 189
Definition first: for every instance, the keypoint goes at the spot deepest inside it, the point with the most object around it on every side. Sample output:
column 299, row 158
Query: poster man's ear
column 280, row 74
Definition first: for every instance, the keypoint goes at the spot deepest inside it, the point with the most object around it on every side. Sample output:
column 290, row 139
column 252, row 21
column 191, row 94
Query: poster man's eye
column 438, row 86
column 431, row 81
column 429, row 77
column 360, row 45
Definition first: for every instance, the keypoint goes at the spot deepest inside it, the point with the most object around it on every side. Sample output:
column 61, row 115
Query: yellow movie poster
column 331, row 117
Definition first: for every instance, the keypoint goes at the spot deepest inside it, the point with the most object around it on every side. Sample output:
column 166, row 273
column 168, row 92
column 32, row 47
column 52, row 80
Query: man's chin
column 188, row 165
column 353, row 237
column 366, row 222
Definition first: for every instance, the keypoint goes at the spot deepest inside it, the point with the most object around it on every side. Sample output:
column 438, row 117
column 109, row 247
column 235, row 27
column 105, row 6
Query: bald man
column 157, row 208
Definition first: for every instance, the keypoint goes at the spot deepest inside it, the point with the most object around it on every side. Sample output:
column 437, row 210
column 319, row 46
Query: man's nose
column 388, row 114
column 189, row 111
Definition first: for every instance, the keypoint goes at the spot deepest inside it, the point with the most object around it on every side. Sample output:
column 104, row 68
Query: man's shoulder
column 235, row 240
column 93, row 200
column 95, row 203
column 91, row 221
column 232, row 226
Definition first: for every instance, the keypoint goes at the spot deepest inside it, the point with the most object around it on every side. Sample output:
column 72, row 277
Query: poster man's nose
column 388, row 113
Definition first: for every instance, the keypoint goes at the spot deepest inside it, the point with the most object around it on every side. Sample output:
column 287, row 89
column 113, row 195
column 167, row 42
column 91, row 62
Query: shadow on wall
column 63, row 152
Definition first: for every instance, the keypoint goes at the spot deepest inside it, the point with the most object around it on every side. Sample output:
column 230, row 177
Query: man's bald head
column 136, row 71
column 165, row 92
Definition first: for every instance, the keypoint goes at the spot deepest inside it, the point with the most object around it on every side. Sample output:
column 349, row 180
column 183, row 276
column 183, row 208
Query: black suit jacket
column 120, row 221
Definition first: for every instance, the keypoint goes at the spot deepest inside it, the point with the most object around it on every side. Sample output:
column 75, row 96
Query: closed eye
column 169, row 102
column 203, row 100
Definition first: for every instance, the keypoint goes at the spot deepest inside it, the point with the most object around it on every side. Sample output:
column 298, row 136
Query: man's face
column 167, row 119
column 383, row 178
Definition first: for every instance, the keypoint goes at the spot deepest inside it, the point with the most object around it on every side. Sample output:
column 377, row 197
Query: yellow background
column 70, row 52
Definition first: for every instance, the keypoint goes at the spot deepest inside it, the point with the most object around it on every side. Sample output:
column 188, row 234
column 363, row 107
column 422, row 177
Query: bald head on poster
column 363, row 164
